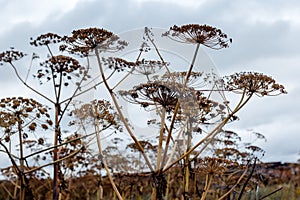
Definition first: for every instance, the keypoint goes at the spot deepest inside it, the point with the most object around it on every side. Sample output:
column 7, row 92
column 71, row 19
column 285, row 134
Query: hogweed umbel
column 206, row 35
column 253, row 83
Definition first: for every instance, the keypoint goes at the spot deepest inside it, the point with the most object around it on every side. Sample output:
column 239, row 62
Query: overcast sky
column 265, row 39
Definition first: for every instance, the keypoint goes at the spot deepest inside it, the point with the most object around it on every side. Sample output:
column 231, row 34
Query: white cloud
column 32, row 11
column 187, row 3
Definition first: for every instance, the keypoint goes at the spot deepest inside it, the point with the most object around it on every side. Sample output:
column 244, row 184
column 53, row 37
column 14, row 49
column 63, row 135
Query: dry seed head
column 206, row 35
column 97, row 109
column 63, row 64
column 118, row 64
column 19, row 110
column 83, row 41
column 213, row 166
column 148, row 67
column 10, row 56
column 152, row 93
column 145, row 67
column 60, row 65
column 46, row 39
column 253, row 83
column 180, row 77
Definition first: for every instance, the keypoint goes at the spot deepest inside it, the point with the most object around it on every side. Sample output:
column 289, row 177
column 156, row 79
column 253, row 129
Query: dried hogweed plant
column 206, row 35
column 152, row 93
column 182, row 107
column 20, row 118
column 85, row 41
column 60, row 71
column 253, row 83
column 215, row 169
column 176, row 98
column 10, row 56
column 143, row 67
column 99, row 114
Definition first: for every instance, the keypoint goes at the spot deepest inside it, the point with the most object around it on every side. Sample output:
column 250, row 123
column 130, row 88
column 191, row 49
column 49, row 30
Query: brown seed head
column 83, row 41
column 213, row 166
column 18, row 110
column 199, row 34
column 10, row 55
column 253, row 83
column 46, row 39
column 152, row 93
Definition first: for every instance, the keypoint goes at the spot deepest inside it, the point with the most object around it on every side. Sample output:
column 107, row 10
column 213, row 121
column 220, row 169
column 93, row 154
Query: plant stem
column 161, row 134
column 207, row 186
column 188, row 74
column 186, row 171
column 235, row 185
column 104, row 162
column 141, row 149
column 55, row 153
column 22, row 180
column 247, row 180
column 31, row 88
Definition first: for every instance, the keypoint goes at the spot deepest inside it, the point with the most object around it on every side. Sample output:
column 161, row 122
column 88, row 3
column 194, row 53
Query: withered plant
column 174, row 94
column 186, row 117
column 99, row 114
column 61, row 72
column 20, row 118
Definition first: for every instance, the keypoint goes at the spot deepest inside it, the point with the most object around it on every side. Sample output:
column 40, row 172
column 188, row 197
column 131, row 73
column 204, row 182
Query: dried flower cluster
column 148, row 67
column 153, row 93
column 194, row 106
column 10, row 55
column 144, row 67
column 83, row 41
column 253, row 83
column 179, row 77
column 118, row 64
column 231, row 153
column 199, row 34
column 227, row 145
column 46, row 39
column 200, row 109
column 97, row 109
column 60, row 65
column 25, row 112
column 213, row 166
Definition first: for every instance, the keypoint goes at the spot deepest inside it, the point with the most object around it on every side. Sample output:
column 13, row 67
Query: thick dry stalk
column 22, row 178
column 175, row 145
column 271, row 193
column 188, row 74
column 247, row 180
column 161, row 135
column 186, row 170
column 235, row 185
column 123, row 119
column 208, row 181
column 55, row 153
column 105, row 164
column 168, row 186
column 170, row 134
